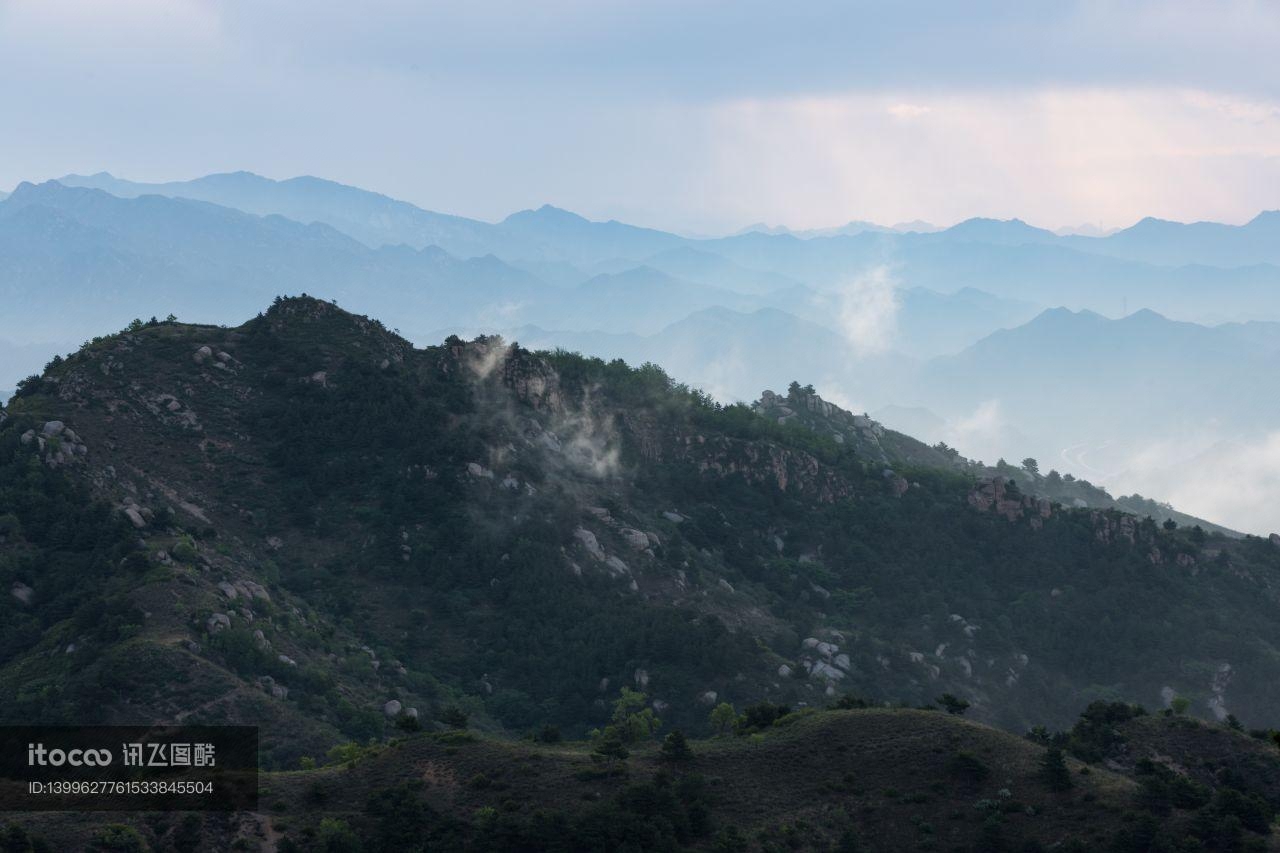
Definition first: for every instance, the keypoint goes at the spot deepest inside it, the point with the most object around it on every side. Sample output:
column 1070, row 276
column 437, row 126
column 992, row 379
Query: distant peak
column 1145, row 314
column 242, row 176
column 1062, row 314
column 27, row 189
column 546, row 213
column 1153, row 222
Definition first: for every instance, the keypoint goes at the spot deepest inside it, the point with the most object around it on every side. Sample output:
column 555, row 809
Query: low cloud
column 1232, row 482
column 868, row 310
column 981, row 434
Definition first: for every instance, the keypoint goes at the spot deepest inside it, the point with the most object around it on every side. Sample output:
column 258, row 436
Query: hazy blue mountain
column 552, row 234
column 708, row 268
column 1116, row 373
column 1047, row 273
column 74, row 259
column 926, row 323
column 930, row 323
column 1101, row 396
column 913, row 420
column 918, row 226
column 736, row 354
column 642, row 300
column 730, row 350
column 762, row 228
column 372, row 218
column 856, row 226
column 1264, row 335
column 1160, row 241
column 996, row 232
column 547, row 234
column 1202, row 270
column 1085, row 229
column 562, row 273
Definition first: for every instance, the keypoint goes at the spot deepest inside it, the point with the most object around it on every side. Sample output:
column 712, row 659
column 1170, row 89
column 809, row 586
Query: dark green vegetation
column 872, row 780
column 306, row 524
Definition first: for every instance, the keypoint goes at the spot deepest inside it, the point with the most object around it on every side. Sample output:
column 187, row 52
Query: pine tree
column 1053, row 770
column 675, row 747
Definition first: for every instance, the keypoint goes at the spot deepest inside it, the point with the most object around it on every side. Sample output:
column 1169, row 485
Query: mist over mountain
column 938, row 321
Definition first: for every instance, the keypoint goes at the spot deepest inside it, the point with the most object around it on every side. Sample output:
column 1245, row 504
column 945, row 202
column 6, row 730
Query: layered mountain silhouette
column 888, row 317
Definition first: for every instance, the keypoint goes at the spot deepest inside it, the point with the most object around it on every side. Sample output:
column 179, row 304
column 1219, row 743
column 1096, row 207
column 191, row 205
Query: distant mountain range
column 854, row 227
column 549, row 232
column 546, row 234
column 1160, row 241
column 934, row 320
column 1108, row 375
column 75, row 257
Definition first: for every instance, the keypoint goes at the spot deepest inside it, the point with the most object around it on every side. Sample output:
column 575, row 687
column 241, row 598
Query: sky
column 698, row 116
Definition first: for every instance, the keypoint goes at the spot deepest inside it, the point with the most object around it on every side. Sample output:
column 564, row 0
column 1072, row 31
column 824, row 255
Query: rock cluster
column 992, row 494
column 22, row 592
column 244, row 588
column 56, row 443
column 788, row 470
column 897, row 484
column 1114, row 527
column 822, row 659
column 801, row 405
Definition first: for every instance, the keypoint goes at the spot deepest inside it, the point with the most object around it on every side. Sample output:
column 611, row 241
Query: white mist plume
column 484, row 360
column 868, row 310
column 590, row 443
column 1232, row 482
column 982, row 434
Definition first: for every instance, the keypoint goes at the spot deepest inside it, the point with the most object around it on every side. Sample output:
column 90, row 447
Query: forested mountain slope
column 306, row 523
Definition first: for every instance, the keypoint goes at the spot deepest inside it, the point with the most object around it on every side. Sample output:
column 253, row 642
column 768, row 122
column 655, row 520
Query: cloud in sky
column 1051, row 156
column 702, row 115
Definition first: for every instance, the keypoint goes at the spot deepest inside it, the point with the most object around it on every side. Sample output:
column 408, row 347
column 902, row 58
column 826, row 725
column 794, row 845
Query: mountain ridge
column 522, row 502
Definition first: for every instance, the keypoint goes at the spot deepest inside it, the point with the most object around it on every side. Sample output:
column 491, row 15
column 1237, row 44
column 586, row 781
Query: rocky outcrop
column 1113, row 527
column 22, row 592
column 529, row 378
column 822, row 659
column 897, row 485
column 56, row 443
column 998, row 495
column 757, row 462
column 590, row 542
column 803, row 406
